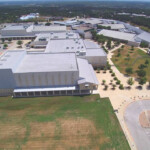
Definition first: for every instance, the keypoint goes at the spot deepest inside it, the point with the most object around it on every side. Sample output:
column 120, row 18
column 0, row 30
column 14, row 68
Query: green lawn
column 137, row 57
column 65, row 123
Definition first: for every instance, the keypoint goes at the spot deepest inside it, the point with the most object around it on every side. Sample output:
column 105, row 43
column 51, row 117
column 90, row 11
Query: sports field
column 60, row 123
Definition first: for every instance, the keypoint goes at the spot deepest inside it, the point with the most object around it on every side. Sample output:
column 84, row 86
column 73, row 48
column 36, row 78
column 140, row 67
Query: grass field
column 137, row 57
column 60, row 123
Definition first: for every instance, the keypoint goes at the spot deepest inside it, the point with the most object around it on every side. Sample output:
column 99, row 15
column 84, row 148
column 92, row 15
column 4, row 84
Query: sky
column 74, row 0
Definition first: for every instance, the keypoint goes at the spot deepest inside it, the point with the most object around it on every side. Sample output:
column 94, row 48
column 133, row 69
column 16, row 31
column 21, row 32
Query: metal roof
column 46, row 62
column 114, row 26
column 14, row 27
column 95, row 52
column 118, row 35
column 86, row 72
column 11, row 59
column 71, row 45
column 145, row 36
column 90, row 44
column 39, row 28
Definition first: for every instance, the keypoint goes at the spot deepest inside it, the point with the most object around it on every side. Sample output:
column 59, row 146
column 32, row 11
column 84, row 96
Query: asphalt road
column 140, row 135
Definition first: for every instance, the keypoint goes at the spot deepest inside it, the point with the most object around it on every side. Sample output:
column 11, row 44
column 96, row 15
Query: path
column 120, row 99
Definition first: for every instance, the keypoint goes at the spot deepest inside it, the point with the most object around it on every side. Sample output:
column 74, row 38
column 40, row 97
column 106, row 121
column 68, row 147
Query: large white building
column 130, row 38
column 28, row 31
column 43, row 74
column 66, row 42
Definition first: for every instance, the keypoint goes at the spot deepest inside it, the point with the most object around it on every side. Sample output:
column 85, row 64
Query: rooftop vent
column 3, row 59
column 7, row 55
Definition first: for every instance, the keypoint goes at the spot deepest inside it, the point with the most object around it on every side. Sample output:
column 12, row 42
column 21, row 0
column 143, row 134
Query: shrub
column 142, row 66
column 114, row 86
column 121, row 87
column 104, row 81
column 142, row 81
column 98, row 70
column 106, row 87
column 129, row 70
column 113, row 74
column 130, row 81
column 115, row 78
column 141, row 73
column 118, row 82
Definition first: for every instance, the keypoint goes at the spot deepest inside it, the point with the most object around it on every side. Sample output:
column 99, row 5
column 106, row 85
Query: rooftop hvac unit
column 82, row 53
column 3, row 59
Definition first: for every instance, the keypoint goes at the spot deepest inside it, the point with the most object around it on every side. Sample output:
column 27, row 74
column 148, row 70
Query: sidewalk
column 120, row 99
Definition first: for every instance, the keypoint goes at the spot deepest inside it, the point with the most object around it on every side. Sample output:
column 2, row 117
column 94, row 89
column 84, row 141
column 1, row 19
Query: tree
column 114, row 86
column 47, row 24
column 106, row 87
column 35, row 23
column 118, row 82
column 3, row 40
column 144, row 44
column 142, row 81
column 121, row 87
column 9, row 39
column 104, row 81
column 5, row 46
column 146, row 62
column 130, row 81
column 142, row 66
column 19, row 43
column 141, row 73
column 132, row 47
column 98, row 70
column 149, row 83
column 122, row 46
column 108, row 45
column 129, row 70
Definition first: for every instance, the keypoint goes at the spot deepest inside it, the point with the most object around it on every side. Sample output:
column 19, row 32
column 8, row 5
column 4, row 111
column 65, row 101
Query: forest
column 10, row 12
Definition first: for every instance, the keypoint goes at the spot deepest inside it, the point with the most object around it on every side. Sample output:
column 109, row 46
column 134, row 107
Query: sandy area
column 120, row 99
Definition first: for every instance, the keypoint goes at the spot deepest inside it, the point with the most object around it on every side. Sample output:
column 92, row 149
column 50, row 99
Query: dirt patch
column 64, row 134
column 41, row 135
column 10, row 134
column 80, row 133
column 144, row 119
column 11, row 131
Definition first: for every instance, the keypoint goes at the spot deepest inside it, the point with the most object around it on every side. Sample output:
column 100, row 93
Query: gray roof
column 70, row 45
column 118, row 35
column 86, row 72
column 11, row 59
column 90, row 44
column 14, row 27
column 114, row 26
column 45, row 62
column 145, row 36
column 95, row 52
column 21, row 62
column 42, row 28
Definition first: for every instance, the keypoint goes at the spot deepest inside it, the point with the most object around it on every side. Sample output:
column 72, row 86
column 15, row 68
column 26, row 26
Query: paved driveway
column 140, row 135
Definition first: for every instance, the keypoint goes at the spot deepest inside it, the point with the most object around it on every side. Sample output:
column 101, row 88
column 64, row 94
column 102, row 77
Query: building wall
column 45, row 79
column 90, row 87
column 14, row 33
column 133, row 43
column 97, row 61
column 6, row 79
